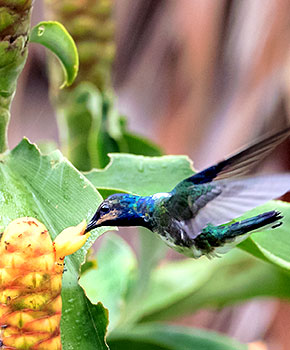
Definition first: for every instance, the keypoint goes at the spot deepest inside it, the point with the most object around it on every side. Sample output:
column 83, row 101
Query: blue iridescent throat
column 135, row 210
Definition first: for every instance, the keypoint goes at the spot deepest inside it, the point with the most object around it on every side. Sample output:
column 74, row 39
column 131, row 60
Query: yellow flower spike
column 31, row 270
column 70, row 240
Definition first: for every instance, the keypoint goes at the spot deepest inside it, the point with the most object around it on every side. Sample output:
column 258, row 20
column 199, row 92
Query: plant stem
column 14, row 28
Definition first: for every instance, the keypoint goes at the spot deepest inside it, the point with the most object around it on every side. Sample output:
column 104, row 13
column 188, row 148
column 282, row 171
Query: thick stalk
column 14, row 28
column 90, row 24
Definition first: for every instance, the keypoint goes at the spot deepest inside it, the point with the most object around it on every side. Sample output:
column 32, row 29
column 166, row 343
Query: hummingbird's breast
column 177, row 234
column 178, row 239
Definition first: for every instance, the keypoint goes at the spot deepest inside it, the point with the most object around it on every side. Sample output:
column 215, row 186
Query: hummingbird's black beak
column 92, row 225
column 99, row 220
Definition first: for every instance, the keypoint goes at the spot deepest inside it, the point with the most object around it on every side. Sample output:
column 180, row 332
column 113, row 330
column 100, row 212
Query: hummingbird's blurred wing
column 242, row 162
column 229, row 199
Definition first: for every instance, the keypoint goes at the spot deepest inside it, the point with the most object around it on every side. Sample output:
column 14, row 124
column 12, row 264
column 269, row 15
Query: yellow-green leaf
column 56, row 38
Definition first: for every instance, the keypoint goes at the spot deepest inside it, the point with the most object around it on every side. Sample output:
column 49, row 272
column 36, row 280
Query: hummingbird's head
column 119, row 209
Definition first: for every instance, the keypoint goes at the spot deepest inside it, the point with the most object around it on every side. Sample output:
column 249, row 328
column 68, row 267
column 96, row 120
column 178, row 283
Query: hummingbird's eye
column 104, row 208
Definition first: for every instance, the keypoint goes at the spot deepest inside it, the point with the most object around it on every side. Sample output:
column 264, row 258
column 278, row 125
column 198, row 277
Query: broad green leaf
column 50, row 189
column 83, row 324
column 271, row 245
column 47, row 146
column 234, row 278
column 140, row 174
column 56, row 38
column 109, row 281
column 163, row 337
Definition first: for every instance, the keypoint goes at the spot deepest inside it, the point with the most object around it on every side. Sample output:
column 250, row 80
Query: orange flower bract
column 31, row 268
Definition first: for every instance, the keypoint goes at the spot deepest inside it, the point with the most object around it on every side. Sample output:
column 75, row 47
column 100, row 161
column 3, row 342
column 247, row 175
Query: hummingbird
column 198, row 217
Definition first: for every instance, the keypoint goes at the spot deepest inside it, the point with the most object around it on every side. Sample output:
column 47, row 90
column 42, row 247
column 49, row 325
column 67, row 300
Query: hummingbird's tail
column 253, row 224
column 215, row 240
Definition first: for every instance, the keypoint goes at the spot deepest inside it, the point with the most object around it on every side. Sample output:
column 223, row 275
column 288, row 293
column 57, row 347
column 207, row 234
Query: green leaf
column 90, row 263
column 100, row 141
column 271, row 245
column 83, row 325
column 152, row 250
column 47, row 146
column 56, row 38
column 139, row 145
column 76, row 117
column 50, row 189
column 141, row 175
column 109, row 134
column 226, row 281
column 162, row 337
column 170, row 283
column 109, row 282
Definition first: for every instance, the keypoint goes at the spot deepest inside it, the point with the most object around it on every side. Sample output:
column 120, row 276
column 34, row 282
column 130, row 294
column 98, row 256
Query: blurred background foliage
column 190, row 76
